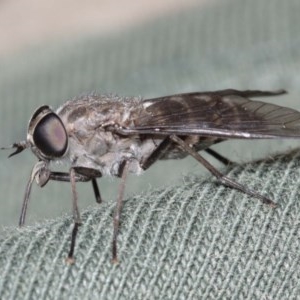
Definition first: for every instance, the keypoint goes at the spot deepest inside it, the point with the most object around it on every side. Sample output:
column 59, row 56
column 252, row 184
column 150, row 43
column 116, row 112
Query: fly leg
column 96, row 191
column 164, row 147
column 61, row 176
column 118, row 210
column 76, row 216
column 225, row 161
column 220, row 177
column 42, row 175
column 74, row 177
column 157, row 153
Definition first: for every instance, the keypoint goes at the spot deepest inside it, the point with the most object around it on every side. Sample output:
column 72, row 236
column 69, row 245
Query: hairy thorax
column 93, row 138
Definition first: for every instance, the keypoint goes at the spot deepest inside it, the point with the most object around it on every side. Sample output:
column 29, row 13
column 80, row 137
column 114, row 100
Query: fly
column 101, row 135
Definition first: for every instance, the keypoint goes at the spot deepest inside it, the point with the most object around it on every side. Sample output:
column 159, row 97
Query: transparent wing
column 225, row 114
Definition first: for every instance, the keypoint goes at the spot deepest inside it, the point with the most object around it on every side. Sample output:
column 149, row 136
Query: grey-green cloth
column 196, row 240
column 183, row 236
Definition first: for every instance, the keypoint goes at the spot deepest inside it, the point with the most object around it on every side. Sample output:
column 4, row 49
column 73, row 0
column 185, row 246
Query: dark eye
column 50, row 136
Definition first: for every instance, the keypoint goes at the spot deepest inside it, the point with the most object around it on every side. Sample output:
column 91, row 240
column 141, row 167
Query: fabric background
column 188, row 237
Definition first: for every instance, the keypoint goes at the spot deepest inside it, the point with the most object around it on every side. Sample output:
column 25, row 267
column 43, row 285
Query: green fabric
column 197, row 240
column 190, row 238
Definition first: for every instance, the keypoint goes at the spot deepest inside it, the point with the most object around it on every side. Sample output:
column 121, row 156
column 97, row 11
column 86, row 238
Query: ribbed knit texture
column 190, row 238
column 197, row 240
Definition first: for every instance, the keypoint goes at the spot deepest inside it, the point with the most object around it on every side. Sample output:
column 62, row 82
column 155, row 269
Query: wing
column 224, row 114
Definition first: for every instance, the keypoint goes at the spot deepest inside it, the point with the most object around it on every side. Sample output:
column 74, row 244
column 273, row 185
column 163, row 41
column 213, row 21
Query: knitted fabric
column 196, row 240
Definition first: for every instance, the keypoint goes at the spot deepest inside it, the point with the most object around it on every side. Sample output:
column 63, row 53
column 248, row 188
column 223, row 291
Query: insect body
column 109, row 135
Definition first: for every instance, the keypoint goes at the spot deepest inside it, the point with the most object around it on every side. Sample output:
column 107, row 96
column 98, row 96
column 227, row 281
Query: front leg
column 42, row 175
column 61, row 176
column 74, row 177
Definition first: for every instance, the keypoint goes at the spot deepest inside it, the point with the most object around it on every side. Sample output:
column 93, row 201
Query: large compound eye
column 50, row 136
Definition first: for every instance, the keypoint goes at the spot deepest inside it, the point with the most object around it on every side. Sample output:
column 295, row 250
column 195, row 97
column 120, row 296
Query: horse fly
column 108, row 135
